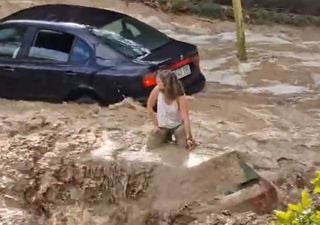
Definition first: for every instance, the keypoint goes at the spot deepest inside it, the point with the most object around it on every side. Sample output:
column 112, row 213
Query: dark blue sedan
column 65, row 52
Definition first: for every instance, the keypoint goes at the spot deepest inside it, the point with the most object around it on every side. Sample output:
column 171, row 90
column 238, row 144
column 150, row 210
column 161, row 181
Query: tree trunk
column 241, row 39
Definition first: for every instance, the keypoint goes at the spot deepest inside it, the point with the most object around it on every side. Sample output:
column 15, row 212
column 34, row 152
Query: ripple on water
column 316, row 79
column 141, row 156
column 252, row 37
column 278, row 89
column 226, row 77
column 12, row 216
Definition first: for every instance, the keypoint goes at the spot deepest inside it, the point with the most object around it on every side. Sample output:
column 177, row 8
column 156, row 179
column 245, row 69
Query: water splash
column 278, row 89
column 195, row 159
column 226, row 77
column 316, row 79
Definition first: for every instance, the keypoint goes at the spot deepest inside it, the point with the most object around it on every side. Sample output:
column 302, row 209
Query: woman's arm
column 184, row 109
column 151, row 103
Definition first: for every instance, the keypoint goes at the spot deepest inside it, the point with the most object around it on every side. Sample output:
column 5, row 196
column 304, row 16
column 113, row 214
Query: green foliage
column 207, row 9
column 162, row 2
column 303, row 213
column 179, row 5
column 214, row 10
column 316, row 183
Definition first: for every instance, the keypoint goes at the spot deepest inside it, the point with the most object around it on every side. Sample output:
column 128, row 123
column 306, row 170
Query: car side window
column 52, row 46
column 11, row 39
column 81, row 52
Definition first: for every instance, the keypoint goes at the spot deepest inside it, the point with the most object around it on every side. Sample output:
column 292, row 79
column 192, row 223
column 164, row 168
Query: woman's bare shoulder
column 155, row 90
column 183, row 101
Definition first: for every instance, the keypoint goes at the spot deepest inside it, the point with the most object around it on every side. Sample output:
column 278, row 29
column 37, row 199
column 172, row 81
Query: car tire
column 83, row 96
column 86, row 100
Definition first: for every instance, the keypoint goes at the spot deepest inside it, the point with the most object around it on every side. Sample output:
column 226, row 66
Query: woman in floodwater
column 172, row 116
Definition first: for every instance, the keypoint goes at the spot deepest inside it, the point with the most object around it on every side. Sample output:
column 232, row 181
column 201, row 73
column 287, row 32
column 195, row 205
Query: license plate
column 183, row 71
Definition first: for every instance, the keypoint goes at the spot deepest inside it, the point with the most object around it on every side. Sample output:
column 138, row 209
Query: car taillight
column 181, row 63
column 196, row 60
column 150, row 80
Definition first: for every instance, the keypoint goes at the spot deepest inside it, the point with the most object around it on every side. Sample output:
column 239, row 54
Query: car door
column 12, row 43
column 55, row 64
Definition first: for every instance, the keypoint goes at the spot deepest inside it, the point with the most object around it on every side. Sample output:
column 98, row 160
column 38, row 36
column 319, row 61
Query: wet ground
column 66, row 163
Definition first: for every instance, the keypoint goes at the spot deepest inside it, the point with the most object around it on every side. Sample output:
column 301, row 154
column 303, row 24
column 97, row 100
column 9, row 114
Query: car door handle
column 70, row 73
column 7, row 68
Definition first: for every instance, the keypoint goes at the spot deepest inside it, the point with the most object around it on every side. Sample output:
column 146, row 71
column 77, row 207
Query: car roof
column 67, row 14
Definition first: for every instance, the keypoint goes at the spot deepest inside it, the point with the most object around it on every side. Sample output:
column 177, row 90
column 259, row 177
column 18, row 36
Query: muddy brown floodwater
column 83, row 164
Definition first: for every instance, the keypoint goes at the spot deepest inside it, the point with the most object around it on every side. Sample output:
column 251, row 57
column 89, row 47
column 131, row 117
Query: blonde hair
column 173, row 88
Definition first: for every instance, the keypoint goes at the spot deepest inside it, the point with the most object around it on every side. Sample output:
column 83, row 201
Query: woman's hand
column 156, row 130
column 190, row 143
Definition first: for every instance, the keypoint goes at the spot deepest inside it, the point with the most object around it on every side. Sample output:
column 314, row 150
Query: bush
column 207, row 9
column 303, row 213
column 179, row 5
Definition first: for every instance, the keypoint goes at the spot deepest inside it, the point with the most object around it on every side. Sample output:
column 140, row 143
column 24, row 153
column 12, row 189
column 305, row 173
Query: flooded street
column 268, row 109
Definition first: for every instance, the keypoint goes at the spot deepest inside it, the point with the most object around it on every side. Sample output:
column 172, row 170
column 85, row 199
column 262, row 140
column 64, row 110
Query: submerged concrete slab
column 224, row 182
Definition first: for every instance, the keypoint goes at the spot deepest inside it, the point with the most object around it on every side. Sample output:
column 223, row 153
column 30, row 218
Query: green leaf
column 295, row 208
column 283, row 217
column 315, row 219
column 316, row 181
column 316, row 190
column 305, row 199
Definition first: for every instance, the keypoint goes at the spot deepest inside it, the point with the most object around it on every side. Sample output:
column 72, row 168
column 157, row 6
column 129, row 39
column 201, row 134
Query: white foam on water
column 195, row 160
column 278, row 89
column 199, row 39
column 248, row 67
column 311, row 42
column 4, row 181
column 303, row 56
column 310, row 64
column 270, row 81
column 168, row 32
column 263, row 39
column 104, row 152
column 11, row 216
column 194, row 28
column 226, row 77
column 253, row 37
column 20, row 1
column 155, row 22
column 194, row 39
column 141, row 156
column 316, row 79
column 225, row 36
column 212, row 64
column 107, row 149
column 202, row 38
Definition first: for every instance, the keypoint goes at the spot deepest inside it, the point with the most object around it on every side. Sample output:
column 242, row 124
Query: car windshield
column 131, row 37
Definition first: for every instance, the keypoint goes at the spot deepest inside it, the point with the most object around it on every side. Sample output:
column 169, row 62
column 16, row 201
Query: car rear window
column 131, row 37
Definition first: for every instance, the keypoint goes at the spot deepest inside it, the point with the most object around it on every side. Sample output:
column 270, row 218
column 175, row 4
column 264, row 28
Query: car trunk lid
column 180, row 57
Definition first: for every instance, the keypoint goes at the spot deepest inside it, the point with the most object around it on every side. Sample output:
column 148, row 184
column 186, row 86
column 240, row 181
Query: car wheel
column 86, row 99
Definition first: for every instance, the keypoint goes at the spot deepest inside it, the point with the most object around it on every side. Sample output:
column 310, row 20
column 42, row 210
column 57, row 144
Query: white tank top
column 168, row 115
